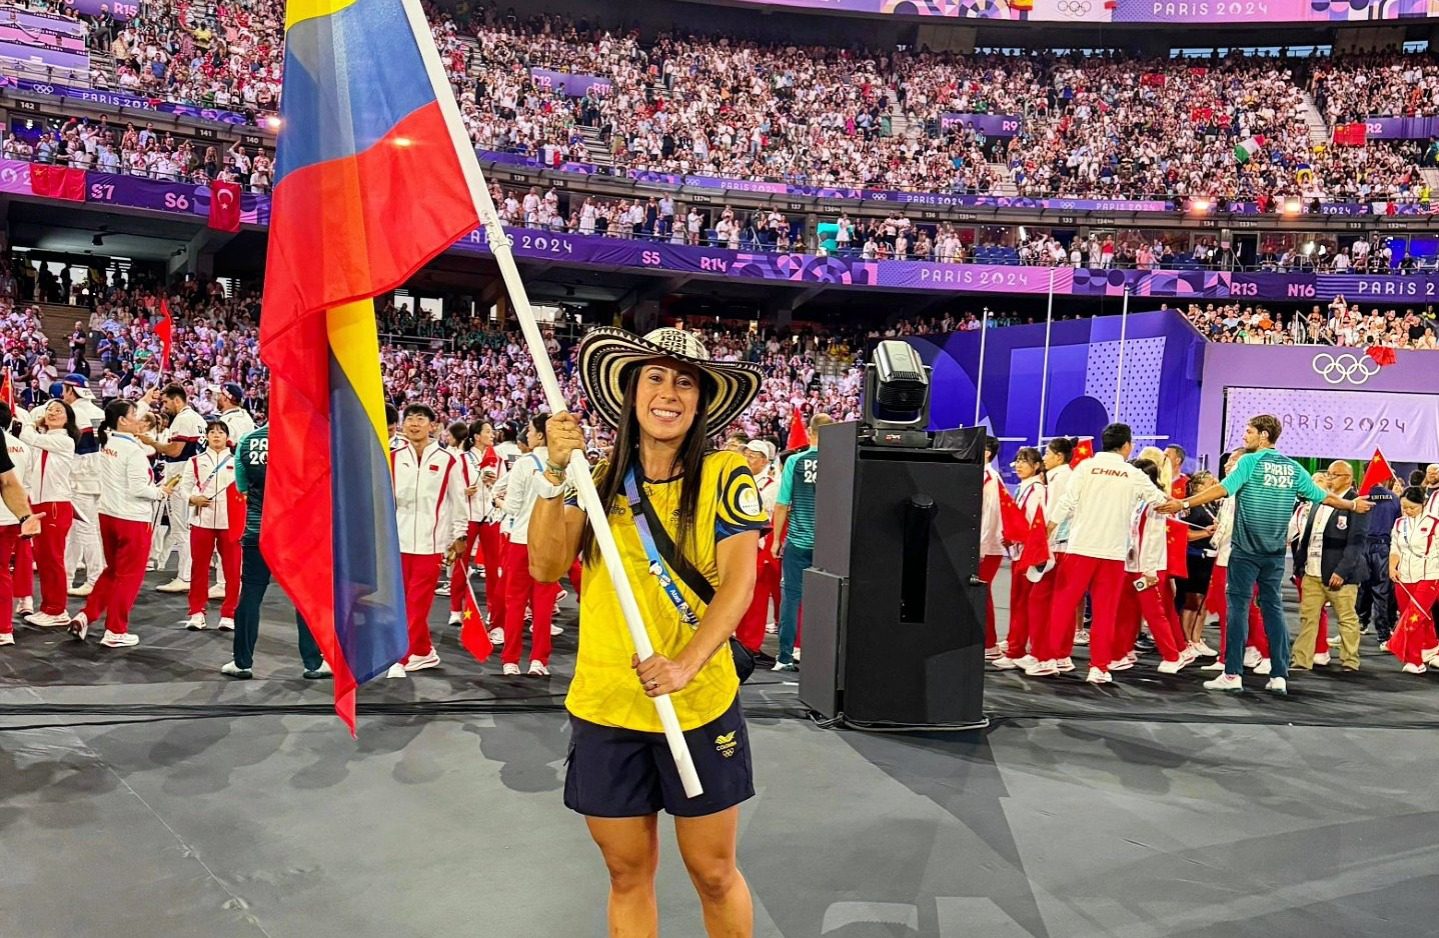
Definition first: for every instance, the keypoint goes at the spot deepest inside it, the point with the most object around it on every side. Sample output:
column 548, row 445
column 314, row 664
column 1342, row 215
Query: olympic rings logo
column 1073, row 7
column 1337, row 369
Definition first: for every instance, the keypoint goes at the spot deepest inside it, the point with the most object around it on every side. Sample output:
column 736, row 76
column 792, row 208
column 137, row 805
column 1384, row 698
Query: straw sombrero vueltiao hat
column 606, row 353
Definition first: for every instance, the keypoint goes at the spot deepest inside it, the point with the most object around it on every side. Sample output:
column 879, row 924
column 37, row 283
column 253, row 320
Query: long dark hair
column 114, row 412
column 626, row 453
column 476, row 428
column 72, row 429
column 1032, row 456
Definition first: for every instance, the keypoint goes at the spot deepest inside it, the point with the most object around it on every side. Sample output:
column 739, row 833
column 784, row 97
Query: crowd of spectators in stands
column 1341, row 323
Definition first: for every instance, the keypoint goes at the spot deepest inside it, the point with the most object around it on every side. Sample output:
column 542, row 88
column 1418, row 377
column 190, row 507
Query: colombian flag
column 369, row 187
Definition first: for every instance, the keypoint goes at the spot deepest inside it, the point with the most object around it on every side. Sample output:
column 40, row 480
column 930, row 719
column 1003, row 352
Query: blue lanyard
column 658, row 567
column 216, row 471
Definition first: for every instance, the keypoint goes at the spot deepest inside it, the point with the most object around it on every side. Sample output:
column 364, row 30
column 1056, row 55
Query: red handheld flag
column 1383, row 355
column 798, row 432
column 165, row 329
column 1082, row 451
column 224, row 205
column 474, row 636
column 1012, row 523
column 1378, row 473
column 7, row 391
column 1036, row 543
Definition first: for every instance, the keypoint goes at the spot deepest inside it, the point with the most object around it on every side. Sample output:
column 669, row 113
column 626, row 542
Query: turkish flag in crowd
column 224, row 205
column 57, row 182
column 1378, row 473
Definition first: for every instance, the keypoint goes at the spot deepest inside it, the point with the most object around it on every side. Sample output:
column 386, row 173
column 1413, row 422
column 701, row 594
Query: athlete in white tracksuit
column 183, row 440
column 83, row 549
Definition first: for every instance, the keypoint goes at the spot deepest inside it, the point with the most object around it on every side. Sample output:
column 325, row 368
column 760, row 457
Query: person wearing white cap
column 187, row 429
column 83, row 547
column 750, row 632
column 238, row 419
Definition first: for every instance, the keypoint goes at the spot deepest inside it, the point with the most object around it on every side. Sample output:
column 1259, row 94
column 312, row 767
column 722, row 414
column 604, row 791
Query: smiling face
column 55, row 416
column 416, row 428
column 667, row 398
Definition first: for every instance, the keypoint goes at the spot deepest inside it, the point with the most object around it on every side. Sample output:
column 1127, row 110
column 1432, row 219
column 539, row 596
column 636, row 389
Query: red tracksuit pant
column 1158, row 613
column 1415, row 633
column 127, row 547
column 49, row 547
column 1029, row 605
column 1104, row 581
column 203, row 544
column 988, row 568
column 750, row 631
column 23, row 583
column 492, row 547
column 9, row 540
column 422, row 573
column 1215, row 602
column 520, row 591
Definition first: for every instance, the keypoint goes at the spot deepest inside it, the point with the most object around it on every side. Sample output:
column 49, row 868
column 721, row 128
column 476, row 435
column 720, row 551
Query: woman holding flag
column 686, row 522
column 52, row 437
column 1030, row 591
column 1147, row 591
column 217, row 517
column 1414, row 570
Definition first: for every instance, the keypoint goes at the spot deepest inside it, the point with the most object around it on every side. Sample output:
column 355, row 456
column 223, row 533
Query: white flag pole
column 1044, row 369
column 979, row 378
column 1119, row 371
column 579, row 470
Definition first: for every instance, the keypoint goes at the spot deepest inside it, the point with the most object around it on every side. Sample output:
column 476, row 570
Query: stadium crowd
column 1343, row 324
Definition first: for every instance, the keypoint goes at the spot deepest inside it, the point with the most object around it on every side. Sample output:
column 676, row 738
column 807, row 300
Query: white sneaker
column 84, row 589
column 217, row 591
column 1185, row 659
column 1429, row 654
column 25, row 606
column 497, row 636
column 795, row 656
column 1213, row 666
column 1043, row 668
column 510, row 670
column 1123, row 664
column 1226, row 682
column 227, row 624
column 556, row 630
column 422, row 662
column 538, row 670
column 1321, row 659
column 455, row 619
column 46, row 621
column 1203, row 651
column 1097, row 676
column 176, row 585
column 771, row 628
column 234, row 670
column 396, row 670
column 992, row 653
column 80, row 626
column 1025, row 663
column 1251, row 656
column 7, row 638
column 1414, row 669
column 1065, row 665
column 196, row 622
column 443, row 587
column 1332, row 640
column 1263, row 667
column 478, row 571
column 1081, row 637
column 119, row 639
column 1004, row 663
column 1277, row 685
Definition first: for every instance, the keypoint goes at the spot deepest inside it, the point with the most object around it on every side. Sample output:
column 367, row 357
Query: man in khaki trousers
column 1329, row 561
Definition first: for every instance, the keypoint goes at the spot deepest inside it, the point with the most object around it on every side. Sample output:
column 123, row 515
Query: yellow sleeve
column 738, row 507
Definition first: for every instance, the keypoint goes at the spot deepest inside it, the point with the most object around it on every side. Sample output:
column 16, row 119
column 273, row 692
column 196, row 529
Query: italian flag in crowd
column 1245, row 149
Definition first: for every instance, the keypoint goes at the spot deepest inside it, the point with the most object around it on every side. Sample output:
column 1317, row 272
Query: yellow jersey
column 605, row 690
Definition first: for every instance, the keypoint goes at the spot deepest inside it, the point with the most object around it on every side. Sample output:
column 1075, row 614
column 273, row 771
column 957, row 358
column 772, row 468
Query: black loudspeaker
column 893, row 604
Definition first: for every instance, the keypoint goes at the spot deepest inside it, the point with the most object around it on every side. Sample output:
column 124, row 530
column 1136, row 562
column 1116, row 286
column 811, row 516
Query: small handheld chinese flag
column 1383, row 355
column 1378, row 473
column 798, row 432
column 473, row 635
column 7, row 391
column 1082, row 451
column 1012, row 522
column 165, row 329
column 1036, row 543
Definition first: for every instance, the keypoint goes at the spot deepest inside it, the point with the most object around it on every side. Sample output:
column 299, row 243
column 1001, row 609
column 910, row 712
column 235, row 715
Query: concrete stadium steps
column 599, row 152
column 1003, row 180
column 1319, row 132
column 57, row 320
column 1431, row 177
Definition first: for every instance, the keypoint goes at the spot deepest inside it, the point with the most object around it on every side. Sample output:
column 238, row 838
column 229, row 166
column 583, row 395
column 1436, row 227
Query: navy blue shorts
column 618, row 773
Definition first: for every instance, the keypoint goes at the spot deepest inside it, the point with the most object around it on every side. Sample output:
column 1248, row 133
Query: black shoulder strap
column 686, row 571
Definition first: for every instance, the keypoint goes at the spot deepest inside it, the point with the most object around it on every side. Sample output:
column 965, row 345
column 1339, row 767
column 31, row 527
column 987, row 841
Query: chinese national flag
column 1036, row 543
column 798, row 432
column 1176, row 546
column 1012, row 522
column 224, row 205
column 165, row 329
column 474, row 636
column 7, row 391
column 1378, row 473
column 1383, row 355
column 1082, row 451
column 57, row 182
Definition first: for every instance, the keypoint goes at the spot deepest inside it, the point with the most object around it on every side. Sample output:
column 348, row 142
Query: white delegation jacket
column 521, row 493
column 1223, row 540
column 480, row 507
column 209, row 474
column 127, row 489
column 52, row 462
column 1416, row 542
column 1150, row 554
column 85, row 475
column 1099, row 504
column 1056, row 481
column 20, row 455
column 430, row 508
column 991, row 532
